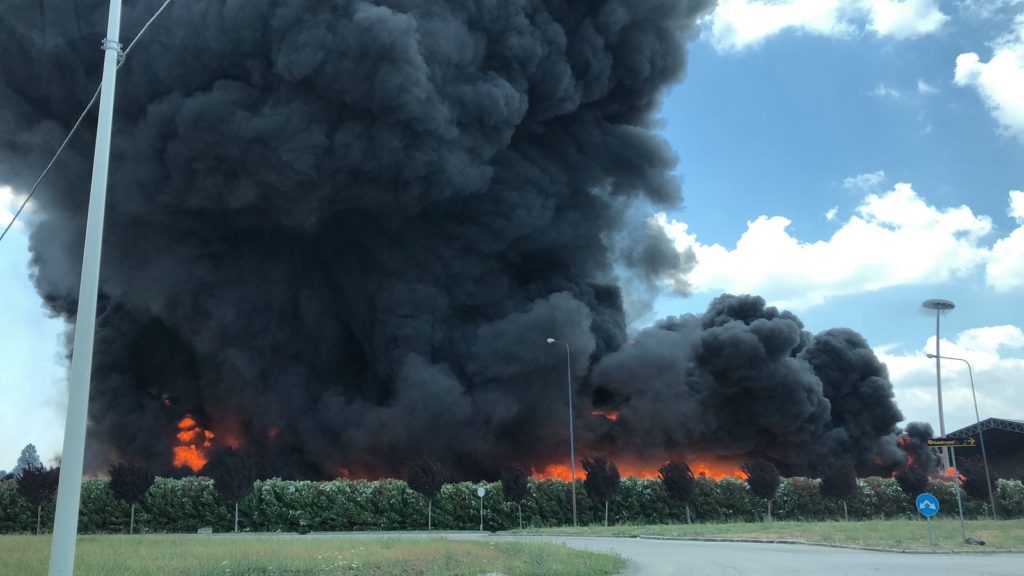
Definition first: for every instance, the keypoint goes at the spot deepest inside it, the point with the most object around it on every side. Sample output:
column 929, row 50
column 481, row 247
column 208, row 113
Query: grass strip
column 152, row 555
column 1003, row 535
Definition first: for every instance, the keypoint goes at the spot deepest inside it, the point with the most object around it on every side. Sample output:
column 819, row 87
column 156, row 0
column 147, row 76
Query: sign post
column 928, row 506
column 949, row 444
column 480, row 492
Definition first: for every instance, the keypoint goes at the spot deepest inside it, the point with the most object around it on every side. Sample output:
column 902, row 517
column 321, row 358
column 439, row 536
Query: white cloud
column 739, row 24
column 1000, row 81
column 883, row 91
column 1005, row 270
column 831, row 214
column 926, row 88
column 986, row 8
column 867, row 182
column 904, row 18
column 893, row 239
column 996, row 354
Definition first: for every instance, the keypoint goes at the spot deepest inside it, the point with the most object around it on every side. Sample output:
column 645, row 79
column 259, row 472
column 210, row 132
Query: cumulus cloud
column 892, row 239
column 1000, row 81
column 1005, row 270
column 996, row 354
column 740, row 24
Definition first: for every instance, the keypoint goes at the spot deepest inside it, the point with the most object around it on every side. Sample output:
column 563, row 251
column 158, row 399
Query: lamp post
column 981, row 436
column 572, row 441
column 69, row 489
column 939, row 306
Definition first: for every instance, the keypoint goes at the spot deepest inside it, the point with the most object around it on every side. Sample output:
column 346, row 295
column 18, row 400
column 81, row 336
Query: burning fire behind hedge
column 194, row 442
column 700, row 467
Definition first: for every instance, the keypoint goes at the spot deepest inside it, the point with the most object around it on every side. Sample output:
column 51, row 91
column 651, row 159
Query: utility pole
column 69, row 491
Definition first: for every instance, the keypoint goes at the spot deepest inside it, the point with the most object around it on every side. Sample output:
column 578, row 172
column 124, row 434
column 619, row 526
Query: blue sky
column 867, row 125
column 892, row 153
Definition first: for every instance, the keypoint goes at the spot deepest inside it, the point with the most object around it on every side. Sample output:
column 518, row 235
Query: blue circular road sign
column 927, row 505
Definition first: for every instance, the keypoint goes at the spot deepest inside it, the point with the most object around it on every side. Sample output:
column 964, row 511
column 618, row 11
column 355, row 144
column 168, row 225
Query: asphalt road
column 683, row 558
column 665, row 557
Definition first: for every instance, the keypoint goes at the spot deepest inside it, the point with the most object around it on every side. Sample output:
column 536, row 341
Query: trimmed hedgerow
column 340, row 505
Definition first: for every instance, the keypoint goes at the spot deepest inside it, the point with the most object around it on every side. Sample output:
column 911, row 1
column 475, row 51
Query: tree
column 426, row 476
column 763, row 479
column 602, row 482
column 679, row 483
column 912, row 481
column 130, row 483
column 38, row 485
column 839, row 482
column 515, row 485
column 29, row 458
column 233, row 474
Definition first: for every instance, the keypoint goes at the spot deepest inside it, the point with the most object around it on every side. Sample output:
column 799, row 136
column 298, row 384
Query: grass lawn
column 889, row 534
column 301, row 556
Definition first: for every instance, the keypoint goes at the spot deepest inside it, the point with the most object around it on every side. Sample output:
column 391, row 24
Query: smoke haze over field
column 338, row 234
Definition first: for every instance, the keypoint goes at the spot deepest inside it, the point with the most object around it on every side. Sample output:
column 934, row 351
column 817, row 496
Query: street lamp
column 981, row 436
column 572, row 441
column 939, row 306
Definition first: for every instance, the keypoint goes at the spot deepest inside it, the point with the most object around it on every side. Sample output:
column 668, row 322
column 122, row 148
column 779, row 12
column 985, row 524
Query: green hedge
column 340, row 505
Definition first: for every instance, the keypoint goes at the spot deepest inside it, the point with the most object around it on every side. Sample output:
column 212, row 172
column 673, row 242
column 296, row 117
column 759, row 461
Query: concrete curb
column 781, row 541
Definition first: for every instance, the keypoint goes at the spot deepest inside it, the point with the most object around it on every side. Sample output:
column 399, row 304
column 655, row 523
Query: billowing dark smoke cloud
column 339, row 232
column 746, row 379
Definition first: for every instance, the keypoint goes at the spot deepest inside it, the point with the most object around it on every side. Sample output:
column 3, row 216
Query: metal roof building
column 1004, row 444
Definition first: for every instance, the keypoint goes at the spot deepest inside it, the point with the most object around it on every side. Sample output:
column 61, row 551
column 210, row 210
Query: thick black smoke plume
column 745, row 379
column 339, row 232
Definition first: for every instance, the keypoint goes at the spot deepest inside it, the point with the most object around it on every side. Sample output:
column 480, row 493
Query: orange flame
column 950, row 474
column 194, row 441
column 718, row 470
column 612, row 415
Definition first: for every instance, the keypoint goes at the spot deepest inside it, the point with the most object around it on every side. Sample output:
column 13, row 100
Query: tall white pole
column 939, row 306
column 69, row 491
column 572, row 440
column 938, row 384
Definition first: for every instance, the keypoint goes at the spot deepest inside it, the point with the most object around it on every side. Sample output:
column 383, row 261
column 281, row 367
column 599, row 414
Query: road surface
column 687, row 558
column 668, row 557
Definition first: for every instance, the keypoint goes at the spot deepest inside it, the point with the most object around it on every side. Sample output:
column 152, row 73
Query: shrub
column 679, row 484
column 1010, row 498
column 185, row 505
column 839, row 483
column 515, row 487
column 278, row 505
column 129, row 484
column 603, row 481
column 764, row 479
column 426, row 477
column 16, row 514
